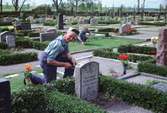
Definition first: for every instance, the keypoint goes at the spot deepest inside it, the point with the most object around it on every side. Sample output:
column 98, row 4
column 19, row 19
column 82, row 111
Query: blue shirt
column 56, row 47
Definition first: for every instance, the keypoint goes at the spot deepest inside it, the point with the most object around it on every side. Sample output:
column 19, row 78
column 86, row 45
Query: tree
column 165, row 14
column 138, row 6
column 143, row 8
column 18, row 4
column 160, row 11
column 1, row 6
column 57, row 4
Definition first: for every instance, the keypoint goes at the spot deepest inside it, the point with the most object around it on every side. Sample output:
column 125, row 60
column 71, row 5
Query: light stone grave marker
column 86, row 80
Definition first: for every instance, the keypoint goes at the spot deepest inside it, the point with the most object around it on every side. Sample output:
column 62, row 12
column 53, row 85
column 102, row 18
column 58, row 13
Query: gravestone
column 51, row 31
column 60, row 21
column 124, row 28
column 47, row 36
column 8, row 38
column 5, row 96
column 93, row 21
column 162, row 48
column 160, row 86
column 23, row 26
column 86, row 80
column 11, row 41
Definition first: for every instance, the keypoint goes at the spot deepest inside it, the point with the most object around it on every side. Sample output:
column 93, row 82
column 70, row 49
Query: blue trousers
column 50, row 71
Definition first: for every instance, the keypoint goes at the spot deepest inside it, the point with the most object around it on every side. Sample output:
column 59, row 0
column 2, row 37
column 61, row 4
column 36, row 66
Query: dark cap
column 74, row 30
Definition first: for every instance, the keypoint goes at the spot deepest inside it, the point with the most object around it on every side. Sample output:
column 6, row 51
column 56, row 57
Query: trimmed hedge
column 41, row 99
column 27, row 43
column 135, row 94
column 8, row 59
column 5, row 23
column 23, row 32
column 152, row 69
column 3, row 46
column 108, row 30
column 50, row 23
column 33, row 34
column 30, row 100
column 107, row 53
column 153, row 23
column 137, row 49
column 108, row 22
column 66, row 86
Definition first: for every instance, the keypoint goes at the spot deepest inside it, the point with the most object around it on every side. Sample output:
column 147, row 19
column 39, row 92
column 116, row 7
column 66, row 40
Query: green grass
column 17, row 84
column 96, row 43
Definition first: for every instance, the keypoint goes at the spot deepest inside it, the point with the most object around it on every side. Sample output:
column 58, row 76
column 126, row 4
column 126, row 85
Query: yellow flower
column 27, row 67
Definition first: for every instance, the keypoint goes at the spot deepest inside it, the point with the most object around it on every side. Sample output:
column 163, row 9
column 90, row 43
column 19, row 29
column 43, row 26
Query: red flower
column 123, row 57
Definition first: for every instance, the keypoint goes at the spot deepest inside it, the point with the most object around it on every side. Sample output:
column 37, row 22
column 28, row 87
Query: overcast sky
column 109, row 3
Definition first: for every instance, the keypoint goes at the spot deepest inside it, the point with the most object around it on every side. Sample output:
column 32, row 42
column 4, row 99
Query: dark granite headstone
column 60, row 21
column 48, row 36
column 5, row 96
column 23, row 26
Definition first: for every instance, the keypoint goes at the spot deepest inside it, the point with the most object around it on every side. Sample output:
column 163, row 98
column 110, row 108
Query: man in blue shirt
column 57, row 55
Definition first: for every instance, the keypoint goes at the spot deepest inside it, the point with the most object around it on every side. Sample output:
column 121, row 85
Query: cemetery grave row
column 140, row 95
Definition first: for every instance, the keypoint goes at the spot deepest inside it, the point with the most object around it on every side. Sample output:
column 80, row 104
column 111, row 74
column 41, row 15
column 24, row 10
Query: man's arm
column 59, row 64
column 72, row 59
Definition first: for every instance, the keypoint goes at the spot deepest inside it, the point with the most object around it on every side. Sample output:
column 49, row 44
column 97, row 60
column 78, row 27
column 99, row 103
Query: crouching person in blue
column 82, row 35
column 57, row 55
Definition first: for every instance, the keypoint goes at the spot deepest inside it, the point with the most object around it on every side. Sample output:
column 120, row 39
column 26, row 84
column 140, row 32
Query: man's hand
column 73, row 62
column 68, row 65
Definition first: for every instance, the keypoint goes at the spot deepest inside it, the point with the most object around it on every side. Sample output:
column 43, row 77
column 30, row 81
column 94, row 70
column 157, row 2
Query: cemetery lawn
column 96, row 43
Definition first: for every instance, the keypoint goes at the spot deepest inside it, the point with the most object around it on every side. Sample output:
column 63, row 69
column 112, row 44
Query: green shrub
column 5, row 23
column 15, row 58
column 137, row 49
column 66, row 86
column 27, row 43
column 30, row 100
column 135, row 94
column 108, row 30
column 24, row 32
column 33, row 34
column 107, row 53
column 39, row 45
column 41, row 99
column 50, row 23
column 67, row 104
column 3, row 46
column 23, row 43
column 153, row 23
column 152, row 69
column 108, row 22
